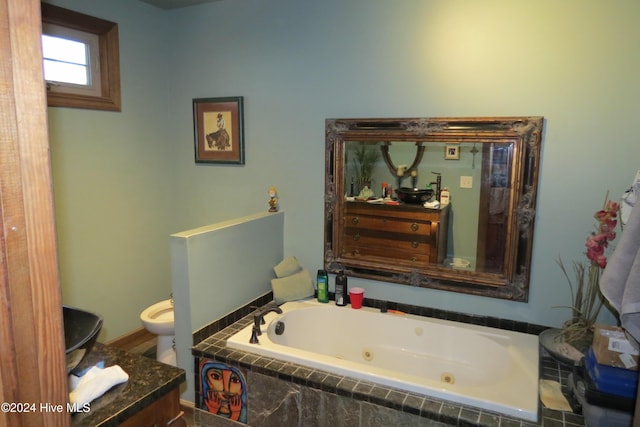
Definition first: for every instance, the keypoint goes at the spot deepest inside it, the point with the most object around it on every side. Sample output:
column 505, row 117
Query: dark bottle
column 341, row 290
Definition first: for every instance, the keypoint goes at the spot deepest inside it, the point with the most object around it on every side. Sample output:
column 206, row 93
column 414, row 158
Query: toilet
column 158, row 319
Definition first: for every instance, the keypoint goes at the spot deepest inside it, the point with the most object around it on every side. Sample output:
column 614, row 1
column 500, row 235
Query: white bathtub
column 478, row 366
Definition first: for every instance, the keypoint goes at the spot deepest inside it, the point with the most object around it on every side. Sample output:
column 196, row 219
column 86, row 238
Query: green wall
column 125, row 181
column 112, row 175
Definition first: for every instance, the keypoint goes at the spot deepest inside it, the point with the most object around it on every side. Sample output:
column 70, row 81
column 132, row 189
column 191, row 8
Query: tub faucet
column 255, row 331
column 258, row 319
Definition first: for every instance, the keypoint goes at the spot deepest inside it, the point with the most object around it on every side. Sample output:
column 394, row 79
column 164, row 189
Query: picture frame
column 451, row 152
column 218, row 125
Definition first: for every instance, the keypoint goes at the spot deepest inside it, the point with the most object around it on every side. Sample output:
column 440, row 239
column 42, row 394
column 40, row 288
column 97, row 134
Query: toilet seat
column 158, row 318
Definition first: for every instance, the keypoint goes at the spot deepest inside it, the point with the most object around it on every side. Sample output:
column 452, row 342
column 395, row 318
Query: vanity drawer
column 390, row 241
column 388, row 224
column 389, row 211
column 367, row 236
column 420, row 255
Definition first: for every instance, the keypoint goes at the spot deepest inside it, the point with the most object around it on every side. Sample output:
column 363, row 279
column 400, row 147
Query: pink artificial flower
column 611, row 224
column 601, row 215
column 602, row 261
column 595, row 252
column 597, row 242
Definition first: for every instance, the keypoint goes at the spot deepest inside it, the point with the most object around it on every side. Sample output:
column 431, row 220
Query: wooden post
column 32, row 366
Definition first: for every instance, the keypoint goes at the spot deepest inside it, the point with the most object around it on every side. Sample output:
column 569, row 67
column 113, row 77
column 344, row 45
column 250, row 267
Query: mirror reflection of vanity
column 386, row 211
column 404, row 234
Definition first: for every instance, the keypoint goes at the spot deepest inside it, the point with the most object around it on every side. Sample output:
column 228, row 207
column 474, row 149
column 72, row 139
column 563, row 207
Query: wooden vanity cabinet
column 163, row 412
column 407, row 235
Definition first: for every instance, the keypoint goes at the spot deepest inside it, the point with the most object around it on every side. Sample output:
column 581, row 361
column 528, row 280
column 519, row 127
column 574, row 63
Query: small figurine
column 273, row 199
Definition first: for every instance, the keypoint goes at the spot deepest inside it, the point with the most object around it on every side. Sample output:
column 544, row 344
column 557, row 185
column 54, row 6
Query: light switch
column 466, row 182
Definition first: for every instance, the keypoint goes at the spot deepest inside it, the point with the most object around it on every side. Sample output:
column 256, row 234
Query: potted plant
column 365, row 155
column 576, row 335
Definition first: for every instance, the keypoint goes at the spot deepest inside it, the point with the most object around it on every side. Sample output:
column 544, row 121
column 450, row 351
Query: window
column 71, row 62
column 81, row 60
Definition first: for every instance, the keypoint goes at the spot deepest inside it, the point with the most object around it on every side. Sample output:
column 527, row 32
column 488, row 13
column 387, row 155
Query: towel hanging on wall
column 620, row 281
column 629, row 199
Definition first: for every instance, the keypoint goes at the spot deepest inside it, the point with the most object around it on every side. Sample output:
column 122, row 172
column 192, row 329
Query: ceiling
column 174, row 4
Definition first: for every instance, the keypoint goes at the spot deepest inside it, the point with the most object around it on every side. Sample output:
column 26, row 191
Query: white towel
column 629, row 199
column 287, row 267
column 291, row 288
column 94, row 384
column 620, row 281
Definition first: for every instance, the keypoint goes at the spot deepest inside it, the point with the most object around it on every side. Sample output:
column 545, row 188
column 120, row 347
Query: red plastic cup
column 356, row 295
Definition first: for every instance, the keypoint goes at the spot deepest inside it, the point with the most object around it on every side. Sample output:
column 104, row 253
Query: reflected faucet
column 438, row 183
column 258, row 319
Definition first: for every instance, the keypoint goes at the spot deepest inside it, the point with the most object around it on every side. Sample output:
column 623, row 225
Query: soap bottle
column 322, row 281
column 444, row 197
column 341, row 290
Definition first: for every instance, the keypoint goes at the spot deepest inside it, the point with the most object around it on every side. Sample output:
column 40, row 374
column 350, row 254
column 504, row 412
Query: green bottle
column 323, row 286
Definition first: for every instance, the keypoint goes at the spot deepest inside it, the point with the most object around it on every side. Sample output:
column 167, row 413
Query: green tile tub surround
column 214, row 348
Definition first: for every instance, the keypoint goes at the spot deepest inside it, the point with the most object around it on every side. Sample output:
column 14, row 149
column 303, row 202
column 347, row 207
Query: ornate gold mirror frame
column 361, row 236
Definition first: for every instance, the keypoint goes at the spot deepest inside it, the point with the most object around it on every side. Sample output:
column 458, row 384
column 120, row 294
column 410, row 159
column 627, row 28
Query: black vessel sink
column 414, row 195
column 81, row 330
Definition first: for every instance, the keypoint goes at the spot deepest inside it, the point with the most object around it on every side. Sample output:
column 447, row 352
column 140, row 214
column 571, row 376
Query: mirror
column 443, row 203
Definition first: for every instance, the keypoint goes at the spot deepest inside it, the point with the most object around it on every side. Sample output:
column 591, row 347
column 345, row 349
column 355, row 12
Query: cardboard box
column 612, row 348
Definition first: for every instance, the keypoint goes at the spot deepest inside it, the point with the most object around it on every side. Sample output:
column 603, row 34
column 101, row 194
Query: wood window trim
column 109, row 54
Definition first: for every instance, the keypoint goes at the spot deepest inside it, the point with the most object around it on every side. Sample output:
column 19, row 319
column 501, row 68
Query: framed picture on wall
column 219, row 130
column 452, row 152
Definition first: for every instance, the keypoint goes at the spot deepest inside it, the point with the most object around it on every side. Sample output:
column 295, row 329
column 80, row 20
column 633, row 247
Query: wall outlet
column 466, row 182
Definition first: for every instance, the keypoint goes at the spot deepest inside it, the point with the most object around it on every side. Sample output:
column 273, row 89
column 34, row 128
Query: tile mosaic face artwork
column 223, row 390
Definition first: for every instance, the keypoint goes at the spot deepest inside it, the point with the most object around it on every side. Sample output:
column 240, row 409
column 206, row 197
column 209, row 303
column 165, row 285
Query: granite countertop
column 148, row 381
